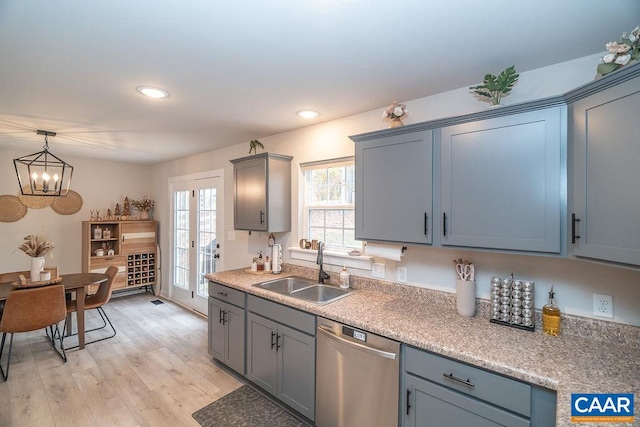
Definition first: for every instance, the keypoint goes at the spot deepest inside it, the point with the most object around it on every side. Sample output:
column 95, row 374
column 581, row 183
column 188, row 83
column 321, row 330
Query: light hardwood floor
column 155, row 372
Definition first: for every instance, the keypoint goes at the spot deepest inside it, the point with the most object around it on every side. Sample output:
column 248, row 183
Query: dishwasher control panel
column 355, row 334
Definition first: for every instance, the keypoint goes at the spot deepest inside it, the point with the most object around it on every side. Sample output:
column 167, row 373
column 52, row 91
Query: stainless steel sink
column 305, row 289
column 286, row 285
column 320, row 294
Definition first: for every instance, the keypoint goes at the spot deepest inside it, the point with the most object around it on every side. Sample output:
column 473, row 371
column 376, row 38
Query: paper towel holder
column 404, row 248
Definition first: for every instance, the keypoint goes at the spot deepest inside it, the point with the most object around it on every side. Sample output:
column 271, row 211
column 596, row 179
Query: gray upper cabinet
column 501, row 182
column 606, row 175
column 262, row 185
column 394, row 185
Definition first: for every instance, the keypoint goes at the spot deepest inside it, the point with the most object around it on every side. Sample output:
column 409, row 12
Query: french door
column 197, row 207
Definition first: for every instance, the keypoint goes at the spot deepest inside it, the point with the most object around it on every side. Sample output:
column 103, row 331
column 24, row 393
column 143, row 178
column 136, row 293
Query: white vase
column 37, row 265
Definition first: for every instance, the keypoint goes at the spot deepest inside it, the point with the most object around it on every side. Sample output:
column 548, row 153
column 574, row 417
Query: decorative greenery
column 253, row 146
column 621, row 53
column 36, row 246
column 143, row 205
column 495, row 87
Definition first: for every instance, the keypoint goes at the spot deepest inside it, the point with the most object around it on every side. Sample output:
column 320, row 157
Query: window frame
column 306, row 208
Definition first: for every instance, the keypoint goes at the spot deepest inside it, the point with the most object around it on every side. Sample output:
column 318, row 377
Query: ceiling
column 240, row 70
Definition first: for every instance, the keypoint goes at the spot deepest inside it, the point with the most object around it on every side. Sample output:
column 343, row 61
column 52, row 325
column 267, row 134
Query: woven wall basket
column 11, row 208
column 67, row 205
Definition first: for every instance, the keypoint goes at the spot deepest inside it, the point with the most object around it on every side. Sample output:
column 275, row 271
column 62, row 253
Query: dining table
column 77, row 283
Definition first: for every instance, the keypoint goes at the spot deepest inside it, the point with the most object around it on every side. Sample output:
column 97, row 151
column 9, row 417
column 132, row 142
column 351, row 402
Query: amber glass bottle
column 551, row 316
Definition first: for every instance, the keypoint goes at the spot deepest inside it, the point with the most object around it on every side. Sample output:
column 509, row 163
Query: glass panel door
column 196, row 250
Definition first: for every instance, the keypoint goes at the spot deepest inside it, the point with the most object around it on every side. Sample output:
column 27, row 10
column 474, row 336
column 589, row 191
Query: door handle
column 380, row 353
column 426, row 220
column 261, row 217
column 278, row 342
column 444, row 224
column 459, row 380
column 573, row 228
column 273, row 335
column 224, row 317
column 408, row 404
column 220, row 316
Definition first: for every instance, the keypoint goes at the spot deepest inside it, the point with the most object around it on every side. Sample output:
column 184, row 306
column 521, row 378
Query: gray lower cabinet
column 501, row 182
column 281, row 359
column 442, row 392
column 394, row 186
column 606, row 194
column 227, row 326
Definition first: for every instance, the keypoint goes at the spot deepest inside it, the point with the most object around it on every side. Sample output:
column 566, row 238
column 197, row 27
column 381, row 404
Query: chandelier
column 43, row 173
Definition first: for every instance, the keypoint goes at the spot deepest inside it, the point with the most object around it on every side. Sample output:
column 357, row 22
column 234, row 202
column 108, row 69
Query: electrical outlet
column 603, row 305
column 402, row 274
column 377, row 270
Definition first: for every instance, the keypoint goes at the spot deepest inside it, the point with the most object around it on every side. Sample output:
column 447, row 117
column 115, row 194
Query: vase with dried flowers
column 394, row 113
column 621, row 53
column 36, row 247
column 143, row 205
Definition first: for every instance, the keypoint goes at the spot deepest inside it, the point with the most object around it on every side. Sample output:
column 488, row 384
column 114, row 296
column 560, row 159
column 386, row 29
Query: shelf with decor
column 128, row 245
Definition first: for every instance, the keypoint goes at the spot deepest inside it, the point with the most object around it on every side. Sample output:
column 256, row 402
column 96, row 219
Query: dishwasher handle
column 380, row 353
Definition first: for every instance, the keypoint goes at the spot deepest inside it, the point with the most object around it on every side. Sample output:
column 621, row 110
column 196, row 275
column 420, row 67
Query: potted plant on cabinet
column 494, row 87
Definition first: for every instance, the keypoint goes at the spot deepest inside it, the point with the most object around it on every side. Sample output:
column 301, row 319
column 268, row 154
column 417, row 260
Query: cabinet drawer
column 496, row 389
column 224, row 293
column 297, row 319
column 100, row 264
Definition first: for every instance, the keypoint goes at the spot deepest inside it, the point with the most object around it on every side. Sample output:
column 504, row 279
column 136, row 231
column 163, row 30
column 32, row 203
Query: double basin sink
column 305, row 289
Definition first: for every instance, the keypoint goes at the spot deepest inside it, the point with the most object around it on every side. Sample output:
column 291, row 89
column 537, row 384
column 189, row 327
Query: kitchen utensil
column 464, row 271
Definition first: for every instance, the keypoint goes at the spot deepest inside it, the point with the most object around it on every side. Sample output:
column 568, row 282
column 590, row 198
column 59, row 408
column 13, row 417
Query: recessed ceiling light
column 308, row 114
column 153, row 92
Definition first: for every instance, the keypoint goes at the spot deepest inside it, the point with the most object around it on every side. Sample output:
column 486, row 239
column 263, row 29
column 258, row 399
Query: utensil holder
column 466, row 297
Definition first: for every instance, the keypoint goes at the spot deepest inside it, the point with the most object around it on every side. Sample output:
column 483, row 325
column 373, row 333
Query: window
column 328, row 203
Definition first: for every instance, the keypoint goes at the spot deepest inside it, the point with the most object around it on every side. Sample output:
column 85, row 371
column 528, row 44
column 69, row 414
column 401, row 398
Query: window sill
column 361, row 262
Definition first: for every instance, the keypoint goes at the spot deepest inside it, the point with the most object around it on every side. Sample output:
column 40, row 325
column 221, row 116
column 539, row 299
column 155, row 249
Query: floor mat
column 245, row 407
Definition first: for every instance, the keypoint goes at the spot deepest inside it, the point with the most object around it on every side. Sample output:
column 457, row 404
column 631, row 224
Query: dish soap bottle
column 344, row 278
column 551, row 316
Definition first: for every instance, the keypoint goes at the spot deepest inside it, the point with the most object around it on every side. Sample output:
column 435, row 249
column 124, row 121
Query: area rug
column 245, row 407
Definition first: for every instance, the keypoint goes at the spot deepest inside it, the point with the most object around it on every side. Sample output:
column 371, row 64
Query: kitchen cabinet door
column 296, row 367
column 216, row 330
column 227, row 334
column 234, row 337
column 606, row 194
column 394, row 188
column 262, row 359
column 502, row 182
column 431, row 405
column 262, row 192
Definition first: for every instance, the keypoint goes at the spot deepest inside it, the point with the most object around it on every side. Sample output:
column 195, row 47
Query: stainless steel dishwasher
column 357, row 377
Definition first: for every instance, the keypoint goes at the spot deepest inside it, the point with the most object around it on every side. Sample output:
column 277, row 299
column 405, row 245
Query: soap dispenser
column 551, row 316
column 344, row 278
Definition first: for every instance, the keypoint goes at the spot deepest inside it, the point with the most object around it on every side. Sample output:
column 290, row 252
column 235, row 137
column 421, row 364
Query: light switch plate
column 377, row 270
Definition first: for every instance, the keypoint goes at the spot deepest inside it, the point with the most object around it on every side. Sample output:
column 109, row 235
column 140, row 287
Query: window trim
column 322, row 164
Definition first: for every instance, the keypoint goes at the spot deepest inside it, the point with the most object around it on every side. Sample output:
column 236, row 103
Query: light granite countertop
column 427, row 320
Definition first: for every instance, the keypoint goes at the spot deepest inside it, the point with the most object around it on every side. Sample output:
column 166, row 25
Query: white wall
column 574, row 281
column 101, row 184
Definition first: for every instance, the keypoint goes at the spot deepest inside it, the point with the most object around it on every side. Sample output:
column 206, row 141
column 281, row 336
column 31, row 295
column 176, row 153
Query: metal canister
column 516, row 293
column 527, row 286
column 517, row 285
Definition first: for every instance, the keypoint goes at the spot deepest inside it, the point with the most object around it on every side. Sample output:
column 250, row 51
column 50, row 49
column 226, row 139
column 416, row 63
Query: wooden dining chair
column 97, row 301
column 30, row 309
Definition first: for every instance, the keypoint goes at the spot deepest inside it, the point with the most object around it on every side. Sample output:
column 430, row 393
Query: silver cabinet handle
column 381, row 353
column 459, row 380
